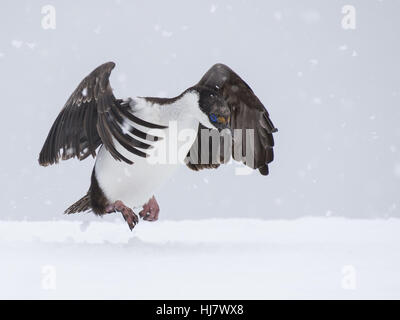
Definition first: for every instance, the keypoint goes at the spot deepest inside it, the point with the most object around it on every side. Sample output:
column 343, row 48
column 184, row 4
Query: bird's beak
column 222, row 120
column 225, row 122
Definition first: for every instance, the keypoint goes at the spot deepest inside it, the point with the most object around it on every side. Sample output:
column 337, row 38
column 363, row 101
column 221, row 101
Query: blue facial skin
column 213, row 117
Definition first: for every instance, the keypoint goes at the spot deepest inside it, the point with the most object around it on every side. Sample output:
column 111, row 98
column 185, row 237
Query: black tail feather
column 81, row 205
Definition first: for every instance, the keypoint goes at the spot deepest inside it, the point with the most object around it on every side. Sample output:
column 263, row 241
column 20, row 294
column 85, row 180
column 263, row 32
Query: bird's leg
column 130, row 217
column 150, row 210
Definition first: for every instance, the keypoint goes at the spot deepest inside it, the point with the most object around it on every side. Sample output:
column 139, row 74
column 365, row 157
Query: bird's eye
column 213, row 117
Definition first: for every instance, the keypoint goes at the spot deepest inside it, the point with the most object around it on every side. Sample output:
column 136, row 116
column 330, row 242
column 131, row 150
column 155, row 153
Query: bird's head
column 216, row 113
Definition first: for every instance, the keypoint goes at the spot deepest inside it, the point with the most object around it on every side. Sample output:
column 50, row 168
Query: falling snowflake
column 16, row 44
column 328, row 213
column 397, row 170
column 127, row 172
column 166, row 33
column 317, row 100
column 31, row 45
column 97, row 30
column 278, row 15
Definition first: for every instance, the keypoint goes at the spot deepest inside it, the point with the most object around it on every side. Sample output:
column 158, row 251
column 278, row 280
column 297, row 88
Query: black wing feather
column 93, row 116
column 247, row 112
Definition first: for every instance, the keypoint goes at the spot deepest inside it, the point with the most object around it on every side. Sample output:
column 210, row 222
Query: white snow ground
column 233, row 258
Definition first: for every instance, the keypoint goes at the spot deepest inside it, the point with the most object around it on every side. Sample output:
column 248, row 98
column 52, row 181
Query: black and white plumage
column 129, row 135
column 92, row 116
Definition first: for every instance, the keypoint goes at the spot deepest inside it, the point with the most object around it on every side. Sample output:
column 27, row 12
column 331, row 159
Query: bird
column 130, row 138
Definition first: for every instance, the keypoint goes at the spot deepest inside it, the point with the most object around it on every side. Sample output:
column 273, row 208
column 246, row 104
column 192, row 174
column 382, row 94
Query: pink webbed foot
column 130, row 217
column 150, row 210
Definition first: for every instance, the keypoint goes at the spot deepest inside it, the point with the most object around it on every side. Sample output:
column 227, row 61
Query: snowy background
column 334, row 95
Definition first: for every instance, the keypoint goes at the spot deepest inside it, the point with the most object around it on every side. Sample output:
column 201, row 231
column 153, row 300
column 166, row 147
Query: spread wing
column 247, row 112
column 93, row 116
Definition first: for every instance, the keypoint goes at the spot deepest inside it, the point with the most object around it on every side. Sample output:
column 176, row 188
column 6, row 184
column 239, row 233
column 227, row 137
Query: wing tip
column 220, row 65
column 44, row 159
column 264, row 170
column 44, row 164
column 109, row 64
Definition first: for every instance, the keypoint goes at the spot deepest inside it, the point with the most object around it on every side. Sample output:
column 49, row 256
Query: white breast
column 135, row 184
